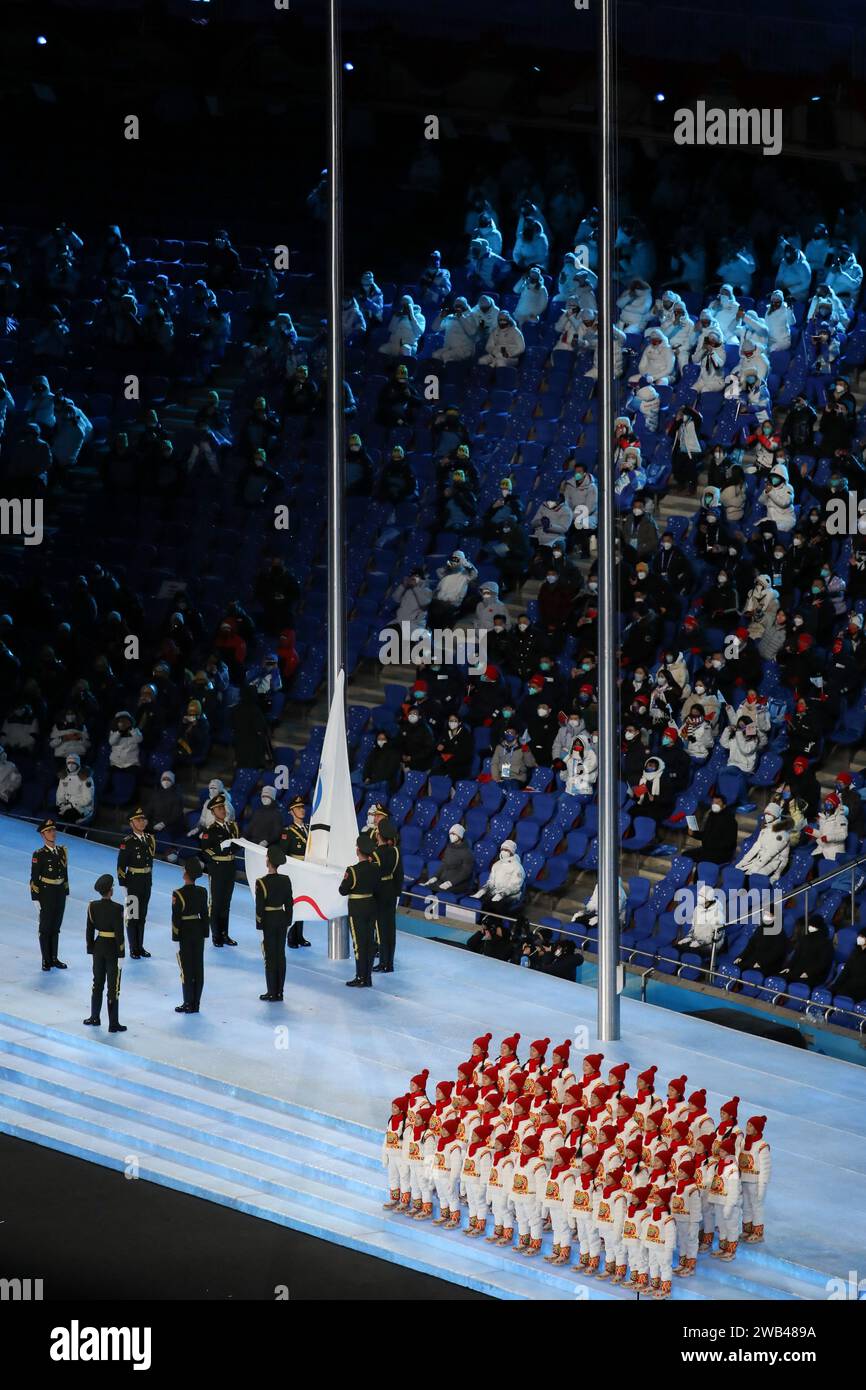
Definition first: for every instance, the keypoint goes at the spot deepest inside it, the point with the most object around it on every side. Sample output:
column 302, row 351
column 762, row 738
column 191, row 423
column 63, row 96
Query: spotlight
column 41, row 40
column 815, row 98
column 349, row 67
column 660, row 96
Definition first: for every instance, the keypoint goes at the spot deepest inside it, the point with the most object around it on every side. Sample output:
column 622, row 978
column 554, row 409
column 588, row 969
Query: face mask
column 380, row 742
column 667, row 545
column 452, row 724
column 543, row 711
column 521, row 627
column 592, row 585
column 816, row 589
column 861, row 940
column 551, row 578
column 716, row 808
column 812, row 930
column 413, row 718
column 778, row 554
column 666, row 742
column 631, row 734
column 509, row 738
column 505, row 854
column 717, row 665
column 637, row 511
column 699, row 689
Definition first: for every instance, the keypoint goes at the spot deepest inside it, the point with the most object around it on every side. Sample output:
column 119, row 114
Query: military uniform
column 294, row 840
column 135, row 874
column 190, row 928
column 273, row 919
column 49, row 887
column 104, row 936
column 219, row 865
column 360, row 885
column 390, row 863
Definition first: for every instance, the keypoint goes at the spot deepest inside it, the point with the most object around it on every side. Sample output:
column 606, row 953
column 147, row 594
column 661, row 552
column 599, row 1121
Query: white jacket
column 831, row 833
column 62, row 744
column 504, row 346
column 778, row 503
column 75, row 794
column 768, row 855
column 404, row 333
column 461, row 332
column 742, row 751
column 559, row 519
column 755, row 1165
column 532, row 301
column 506, row 878
column 708, row 920
column 124, row 747
column 10, row 777
column 635, row 307
column 779, row 324
column 697, row 739
column 658, row 362
column 581, row 769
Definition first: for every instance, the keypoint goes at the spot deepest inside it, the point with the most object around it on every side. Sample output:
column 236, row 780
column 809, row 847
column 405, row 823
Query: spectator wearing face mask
column 777, row 499
column 634, row 305
column 526, row 646
column 75, row 793
column 657, row 360
column 532, row 297
column 454, row 578
column 416, row 743
column 455, row 751
column 831, row 831
column 382, row 764
column 490, row 606
column 654, row 796
column 460, row 329
column 485, row 694
column 503, row 891
column 638, row 532
column 697, row 735
column 770, row 849
column 581, row 768
column 125, row 741
column 265, row 825
column 811, row 958
column 456, row 871
column 588, row 914
column 569, row 729
column 707, row 927
column 542, row 723
column 206, row 818
column 413, row 596
column 851, row 980
column 740, row 740
column 505, row 345
column 405, row 329
column 633, row 752
column 165, row 807
column 766, row 948
column 512, row 762
column 718, row 834
column 69, row 735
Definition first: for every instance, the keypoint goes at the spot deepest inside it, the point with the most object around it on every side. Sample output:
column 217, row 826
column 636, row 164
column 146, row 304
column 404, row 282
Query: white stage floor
column 333, row 1058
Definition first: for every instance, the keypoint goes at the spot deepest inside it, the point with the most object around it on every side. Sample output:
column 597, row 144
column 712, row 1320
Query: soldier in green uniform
column 390, row 864
column 49, row 887
column 219, row 864
column 189, row 928
column 360, row 885
column 274, row 912
column 294, row 841
column 135, row 874
column 105, row 945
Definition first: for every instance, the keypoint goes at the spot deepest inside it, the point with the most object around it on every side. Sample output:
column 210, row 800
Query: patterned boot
column 480, row 1226
column 507, row 1236
column 664, row 1289
column 425, row 1213
column 756, row 1235
column 609, row 1270
column 534, row 1248
column 453, row 1221
column 416, row 1205
column 564, row 1256
column 443, row 1217
column 720, row 1253
column 470, row 1229
column 522, row 1244
column 395, row 1198
column 496, row 1237
column 730, row 1249
column 705, row 1242
column 748, row 1227
column 642, row 1282
column 655, row 1283
column 592, row 1267
column 553, row 1257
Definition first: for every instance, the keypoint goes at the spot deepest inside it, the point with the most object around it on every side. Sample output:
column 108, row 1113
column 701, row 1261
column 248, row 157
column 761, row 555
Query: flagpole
column 608, row 577
column 338, row 928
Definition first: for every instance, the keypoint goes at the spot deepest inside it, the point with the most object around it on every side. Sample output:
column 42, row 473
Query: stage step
column 284, row 1163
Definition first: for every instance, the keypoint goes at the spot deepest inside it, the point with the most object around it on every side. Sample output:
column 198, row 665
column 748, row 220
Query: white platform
column 278, row 1110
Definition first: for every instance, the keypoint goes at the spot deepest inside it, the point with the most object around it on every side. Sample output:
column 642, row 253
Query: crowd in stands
column 625, row 1181
column 742, row 647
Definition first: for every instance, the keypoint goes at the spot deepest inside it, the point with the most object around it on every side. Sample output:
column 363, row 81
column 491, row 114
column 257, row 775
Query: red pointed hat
column 619, row 1071
column 627, row 1106
column 593, row 1060
column 562, row 1049
column 483, row 1043
column 540, row 1046
column 678, row 1084
column 511, row 1043
column 757, row 1123
column 730, row 1107
column 531, row 1142
column 647, row 1078
column 401, row 1103
column 698, row 1100
column 420, row 1081
column 446, row 1087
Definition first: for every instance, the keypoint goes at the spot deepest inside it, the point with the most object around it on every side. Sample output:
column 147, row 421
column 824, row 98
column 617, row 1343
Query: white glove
column 160, row 825
column 225, row 844
column 479, row 894
column 446, row 885
column 263, row 843
column 190, row 833
column 425, row 882
column 497, row 897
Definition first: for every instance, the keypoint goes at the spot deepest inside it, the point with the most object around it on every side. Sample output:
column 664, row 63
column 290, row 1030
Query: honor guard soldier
column 135, row 874
column 190, row 929
column 274, row 911
column 49, row 887
column 294, row 842
column 105, row 945
column 390, row 864
column 219, row 865
column 361, row 886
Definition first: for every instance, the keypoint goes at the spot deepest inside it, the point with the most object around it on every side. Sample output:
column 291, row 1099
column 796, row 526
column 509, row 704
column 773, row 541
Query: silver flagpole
column 608, row 577
column 338, row 929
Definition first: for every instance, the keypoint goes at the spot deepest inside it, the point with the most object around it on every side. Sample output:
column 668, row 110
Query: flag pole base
column 338, row 938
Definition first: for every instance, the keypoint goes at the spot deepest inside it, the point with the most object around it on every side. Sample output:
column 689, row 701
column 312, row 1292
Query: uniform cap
column 104, row 883
column 365, row 843
column 136, row 812
column 276, row 856
column 218, row 800
column 49, row 823
column 193, row 867
column 297, row 801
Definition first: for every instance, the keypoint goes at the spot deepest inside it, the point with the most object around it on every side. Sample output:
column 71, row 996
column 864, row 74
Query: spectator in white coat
column 845, row 275
column 413, row 597
column 646, row 400
column 681, row 335
column 370, row 299
column 711, row 357
column 831, row 831
column 635, row 305
column 724, row 309
column 69, row 735
column 434, row 284
column 707, row 927
column 71, row 434
column 20, row 731
column 454, row 580
column 10, row 779
column 657, row 359
column 794, row 275
column 780, row 321
column 696, row 734
column 461, row 332
column 485, row 315
column 215, row 787
column 777, row 499
column 405, row 329
column 818, row 248
column 551, row 521
column 581, row 768
column 531, row 246
column 571, row 327
column 532, row 296
column 504, row 887
column 741, row 742
column 505, row 345
column 75, row 793
column 125, row 740
column 619, row 345
column 485, row 264
column 353, row 319
column 752, row 359
column 770, row 852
